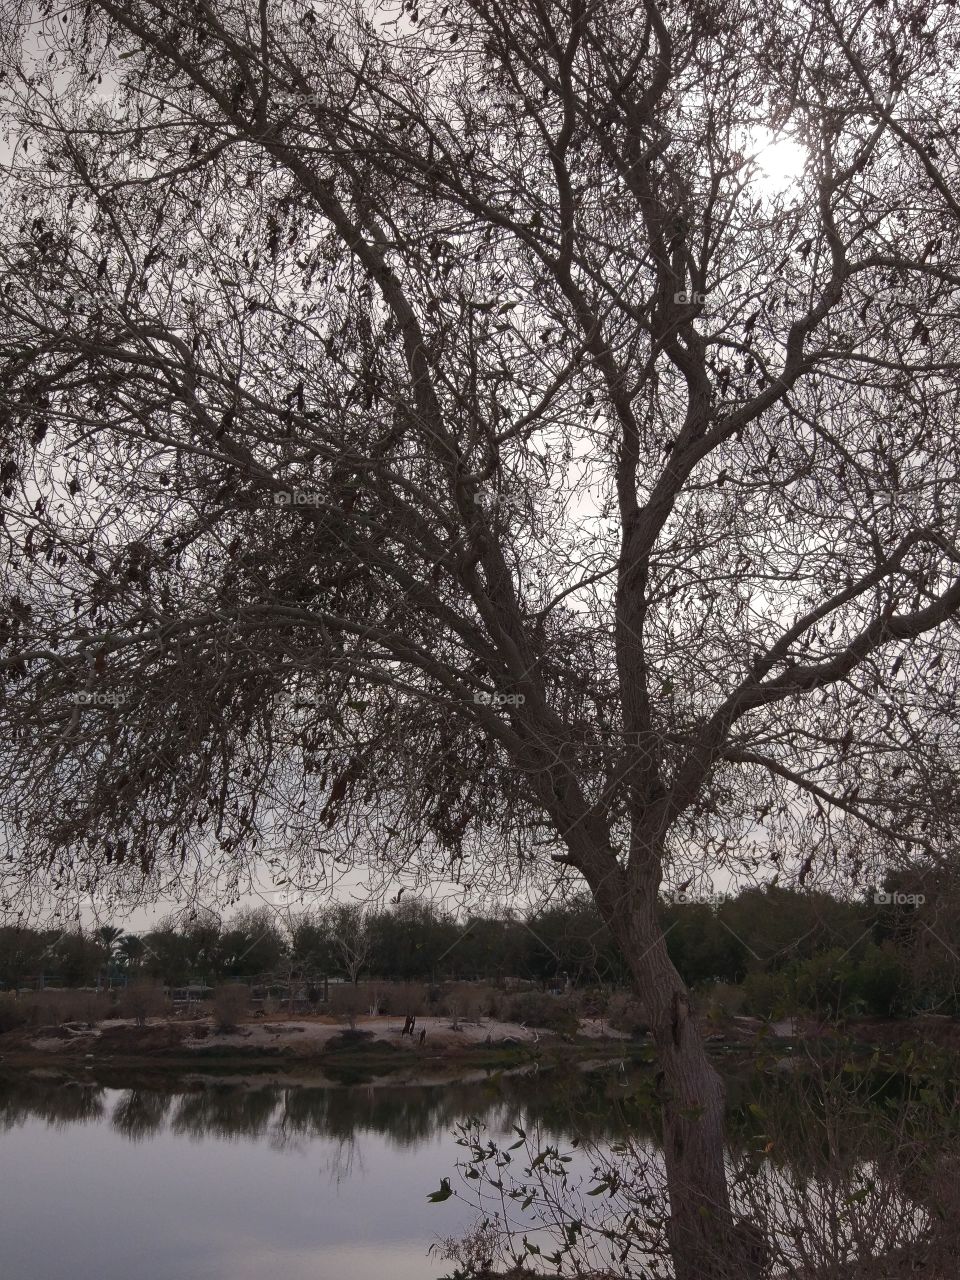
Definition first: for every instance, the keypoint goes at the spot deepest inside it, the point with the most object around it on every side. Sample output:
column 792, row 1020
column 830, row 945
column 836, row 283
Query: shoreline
column 373, row 1048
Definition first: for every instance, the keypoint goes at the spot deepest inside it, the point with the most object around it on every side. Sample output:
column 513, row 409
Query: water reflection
column 141, row 1113
column 66, row 1103
column 206, row 1180
column 595, row 1105
column 313, row 1182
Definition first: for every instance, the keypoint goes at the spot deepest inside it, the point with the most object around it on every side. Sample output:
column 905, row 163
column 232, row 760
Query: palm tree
column 131, row 950
column 109, row 936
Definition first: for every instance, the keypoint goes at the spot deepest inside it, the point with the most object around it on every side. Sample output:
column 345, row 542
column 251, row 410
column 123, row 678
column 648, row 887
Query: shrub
column 625, row 1013
column 231, row 1001
column 465, row 1000
column 197, row 1009
column 767, row 995
column 825, row 985
column 881, row 981
column 54, row 1007
column 592, row 1003
column 488, row 1000
column 401, row 998
column 537, row 1009
column 12, row 1015
column 723, row 1000
column 348, row 1001
column 142, row 1000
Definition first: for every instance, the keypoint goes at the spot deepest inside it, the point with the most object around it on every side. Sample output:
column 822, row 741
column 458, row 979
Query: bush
column 401, row 998
column 767, row 995
column 592, row 1003
column 625, row 1013
column 142, row 1000
column 537, row 1009
column 723, row 1000
column 54, row 1007
column 348, row 1001
column 489, row 1000
column 231, row 1001
column 12, row 1015
column 466, row 1000
column 197, row 1010
column 824, row 984
column 881, row 981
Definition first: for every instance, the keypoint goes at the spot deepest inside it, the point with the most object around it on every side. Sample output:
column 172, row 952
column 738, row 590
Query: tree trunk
column 703, row 1240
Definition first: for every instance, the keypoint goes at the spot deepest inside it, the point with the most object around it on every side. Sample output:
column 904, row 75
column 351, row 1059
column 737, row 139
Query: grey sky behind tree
column 429, row 444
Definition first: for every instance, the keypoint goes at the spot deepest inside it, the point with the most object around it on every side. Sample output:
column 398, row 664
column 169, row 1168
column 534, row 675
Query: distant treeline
column 894, row 950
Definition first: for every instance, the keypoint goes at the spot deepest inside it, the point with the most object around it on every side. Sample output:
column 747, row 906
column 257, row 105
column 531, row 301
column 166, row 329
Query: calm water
column 203, row 1180
column 217, row 1182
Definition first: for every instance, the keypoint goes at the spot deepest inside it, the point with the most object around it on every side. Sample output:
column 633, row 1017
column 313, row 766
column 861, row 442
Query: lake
column 203, row 1178
column 234, row 1181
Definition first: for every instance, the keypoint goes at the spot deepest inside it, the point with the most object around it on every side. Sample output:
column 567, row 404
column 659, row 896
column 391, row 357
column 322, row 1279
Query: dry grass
column 52, row 1008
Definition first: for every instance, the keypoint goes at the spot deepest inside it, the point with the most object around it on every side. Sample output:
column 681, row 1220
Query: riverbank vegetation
column 766, row 952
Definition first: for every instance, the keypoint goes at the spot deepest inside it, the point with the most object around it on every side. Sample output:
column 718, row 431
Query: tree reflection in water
column 287, row 1116
column 59, row 1103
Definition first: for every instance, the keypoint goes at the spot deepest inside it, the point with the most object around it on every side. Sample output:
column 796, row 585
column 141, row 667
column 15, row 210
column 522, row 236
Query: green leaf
column 444, row 1193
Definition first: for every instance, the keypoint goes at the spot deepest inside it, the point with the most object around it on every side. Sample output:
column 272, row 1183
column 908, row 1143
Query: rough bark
column 705, row 1241
column 692, row 1103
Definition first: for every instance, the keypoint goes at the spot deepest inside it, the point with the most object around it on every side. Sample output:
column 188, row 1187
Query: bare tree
column 432, row 443
column 350, row 935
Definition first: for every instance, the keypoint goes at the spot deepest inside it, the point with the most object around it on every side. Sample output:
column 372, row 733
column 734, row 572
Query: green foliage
column 771, row 951
column 767, row 995
column 252, row 944
column 700, row 947
column 783, row 926
column 883, row 982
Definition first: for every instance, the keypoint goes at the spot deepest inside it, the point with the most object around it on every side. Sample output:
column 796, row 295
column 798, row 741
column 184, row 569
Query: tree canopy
column 430, row 441
column 427, row 435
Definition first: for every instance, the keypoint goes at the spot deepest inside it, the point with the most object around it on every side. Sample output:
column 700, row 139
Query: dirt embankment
column 297, row 1039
